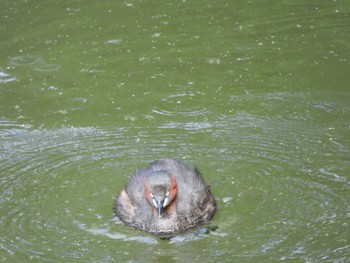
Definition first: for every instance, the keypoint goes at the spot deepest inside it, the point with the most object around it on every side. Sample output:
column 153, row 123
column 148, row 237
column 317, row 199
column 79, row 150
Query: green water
column 254, row 93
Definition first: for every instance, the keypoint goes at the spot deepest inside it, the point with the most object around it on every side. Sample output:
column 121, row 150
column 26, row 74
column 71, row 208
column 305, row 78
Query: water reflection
column 107, row 232
column 5, row 77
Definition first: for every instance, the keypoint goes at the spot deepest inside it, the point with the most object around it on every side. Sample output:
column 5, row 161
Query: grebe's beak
column 157, row 204
column 160, row 207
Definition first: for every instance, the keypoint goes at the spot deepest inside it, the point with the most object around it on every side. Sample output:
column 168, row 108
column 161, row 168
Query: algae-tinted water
column 255, row 94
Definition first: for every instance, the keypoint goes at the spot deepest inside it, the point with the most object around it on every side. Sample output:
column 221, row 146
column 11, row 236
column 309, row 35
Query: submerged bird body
column 165, row 198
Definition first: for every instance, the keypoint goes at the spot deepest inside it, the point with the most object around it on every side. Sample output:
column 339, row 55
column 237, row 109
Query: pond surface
column 254, row 93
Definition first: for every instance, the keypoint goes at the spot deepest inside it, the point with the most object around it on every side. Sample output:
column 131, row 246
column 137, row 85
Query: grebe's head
column 160, row 190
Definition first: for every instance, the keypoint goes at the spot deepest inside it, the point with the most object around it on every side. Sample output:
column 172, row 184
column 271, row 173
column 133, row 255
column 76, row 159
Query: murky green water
column 254, row 93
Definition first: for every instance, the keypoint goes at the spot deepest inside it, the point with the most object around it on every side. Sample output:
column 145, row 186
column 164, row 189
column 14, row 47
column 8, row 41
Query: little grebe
column 165, row 198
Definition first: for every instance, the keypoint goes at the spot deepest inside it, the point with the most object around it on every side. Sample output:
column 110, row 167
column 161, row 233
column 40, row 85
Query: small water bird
column 165, row 198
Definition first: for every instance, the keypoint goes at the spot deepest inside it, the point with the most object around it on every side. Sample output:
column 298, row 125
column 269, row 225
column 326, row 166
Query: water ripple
column 289, row 179
column 25, row 60
column 181, row 112
column 40, row 172
column 55, row 178
column 181, row 103
column 285, row 176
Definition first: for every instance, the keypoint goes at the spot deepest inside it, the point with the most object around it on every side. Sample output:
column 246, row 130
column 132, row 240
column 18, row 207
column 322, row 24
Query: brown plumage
column 165, row 198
